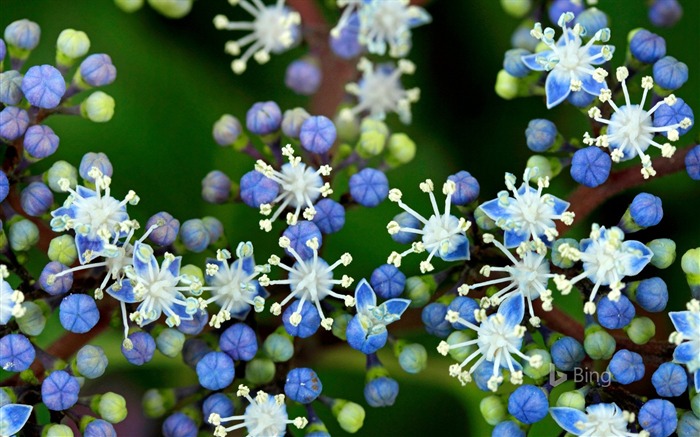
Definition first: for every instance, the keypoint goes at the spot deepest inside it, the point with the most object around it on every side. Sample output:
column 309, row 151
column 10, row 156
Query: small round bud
column 567, row 353
column 59, row 391
column 664, row 250
column 193, row 351
column 170, row 341
column 111, row 406
column 667, row 115
column 317, row 134
column 405, row 220
column 91, row 361
column 521, row 37
column 506, row 85
column 13, row 123
column 303, row 76
column 22, row 235
column 57, row 430
column 260, row 371
column 227, row 130
column 4, row 186
column 465, row 307
column 482, row 220
column 688, row 425
column 33, row 322
column 650, row 294
column 239, row 342
column 172, row 9
column 178, row 424
column 36, row 198
column 264, row 118
column 279, row 348
column 540, row 135
column 590, row 166
column 78, row 313
column 53, row 283
column 381, row 392
column 572, row 399
column 303, row 385
column 528, row 404
column 346, row 43
column 216, row 187
column 215, row 371
column 641, row 330
column 692, row 163
column 419, row 289
column 165, row 234
column 3, row 49
column 669, row 73
column 371, row 143
column 598, row 344
column 97, row 160
column 61, row 170
column 16, row 353
column 665, row 13
column 592, row 19
column 647, row 47
column 401, row 150
column 98, row 108
column 129, row 6
column 513, row 63
column 433, row 317
column 11, row 89
column 542, row 369
column 626, row 367
column 615, row 314
column 644, row 211
column 670, row 380
column 143, row 347
column 492, row 409
column 466, row 188
column 71, row 44
column 98, row 70
column 507, row 429
column 257, row 189
column 350, row 415
column 43, row 86
column 413, row 358
column 299, row 234
column 22, row 34
column 201, row 317
column 217, row 403
column 99, row 428
column 194, row 235
column 330, row 216
column 369, row 187
column 40, row 141
column 310, row 319
column 658, row 417
column 292, row 121
column 214, row 227
column 388, row 281
column 690, row 264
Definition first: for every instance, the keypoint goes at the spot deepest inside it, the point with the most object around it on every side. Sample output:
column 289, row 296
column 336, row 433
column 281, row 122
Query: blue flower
column 366, row 331
column 528, row 214
column 570, row 62
column 13, row 417
column 443, row 235
column 10, row 300
column 687, row 324
column 598, row 420
column 388, row 24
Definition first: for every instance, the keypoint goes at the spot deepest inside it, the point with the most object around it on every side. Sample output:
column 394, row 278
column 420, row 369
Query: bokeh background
column 174, row 82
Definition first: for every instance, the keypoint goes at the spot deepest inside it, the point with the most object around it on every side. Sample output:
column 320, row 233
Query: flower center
column 100, row 212
column 272, row 28
column 631, row 123
column 313, row 277
column 569, row 55
column 300, row 183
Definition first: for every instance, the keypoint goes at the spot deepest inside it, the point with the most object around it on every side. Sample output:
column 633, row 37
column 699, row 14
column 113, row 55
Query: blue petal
column 180, row 309
column 84, row 242
column 364, row 297
column 494, row 210
column 697, row 381
column 513, row 309
column 146, row 320
column 85, row 192
column 686, row 322
column 595, row 50
column 174, row 266
column 686, row 352
column 514, row 238
column 144, row 260
column 13, row 417
column 458, row 249
column 125, row 293
column 557, row 86
column 590, row 85
column 584, row 244
column 248, row 264
column 397, row 306
column 242, row 314
column 221, row 264
column 418, row 16
column 64, row 210
column 530, row 61
column 637, row 256
column 567, row 418
column 559, row 205
column 359, row 339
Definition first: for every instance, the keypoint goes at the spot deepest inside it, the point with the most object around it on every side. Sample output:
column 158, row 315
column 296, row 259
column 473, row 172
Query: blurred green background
column 174, row 81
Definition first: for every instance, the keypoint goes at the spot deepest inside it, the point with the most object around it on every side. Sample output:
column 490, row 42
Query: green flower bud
column 664, row 252
column 413, row 358
column 33, row 321
column 374, row 125
column 371, row 144
column 59, row 170
column 194, row 271
column 129, row 6
column 157, row 402
column 260, row 371
column 543, row 370
column 460, row 354
column 695, row 404
column 170, row 341
column 542, row 164
column 110, row 406
column 62, row 249
column 350, row 415
column 598, row 344
column 401, row 150
column 483, row 221
column 572, row 399
column 640, row 330
column 517, row 9
column 172, row 8
column 557, row 259
column 690, row 263
column 340, row 325
column 278, row 347
column 71, row 44
column 506, row 85
column 57, row 431
column 99, row 107
column 419, row 289
column 23, row 234
column 492, row 409
column 346, row 126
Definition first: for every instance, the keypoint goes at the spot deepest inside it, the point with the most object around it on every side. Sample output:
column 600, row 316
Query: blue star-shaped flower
column 687, row 324
column 599, row 419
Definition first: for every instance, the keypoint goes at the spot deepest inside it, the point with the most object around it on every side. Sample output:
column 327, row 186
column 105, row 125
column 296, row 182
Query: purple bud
column 330, row 216
column 36, row 199
column 692, row 163
column 23, row 34
column 346, row 45
column 43, row 86
column 369, row 187
column 13, row 123
column 227, row 129
column 239, row 342
column 264, row 118
column 40, row 141
column 257, row 189
column 303, row 76
column 53, row 284
column 647, row 47
column 194, row 235
column 16, row 353
column 216, row 187
column 670, row 73
column 467, row 188
column 317, row 134
column 60, row 391
column 665, row 13
column 10, row 87
column 98, row 70
column 590, row 166
column 98, row 160
column 388, row 281
column 299, row 234
column 78, row 313
column 166, row 234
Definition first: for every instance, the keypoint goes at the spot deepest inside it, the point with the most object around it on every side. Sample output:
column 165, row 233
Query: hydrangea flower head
column 499, row 339
column 388, row 24
column 380, row 91
column 630, row 128
column 274, row 29
column 598, row 420
column 300, row 186
column 233, row 286
column 607, row 260
column 10, row 300
column 95, row 215
column 443, row 235
column 687, row 324
column 527, row 214
column 309, row 280
column 569, row 61
column 265, row 416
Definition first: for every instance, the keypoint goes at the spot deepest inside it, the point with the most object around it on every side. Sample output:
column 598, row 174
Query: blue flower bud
column 330, row 216
column 260, row 371
column 11, row 87
column 381, row 392
column 166, row 234
column 413, row 358
column 16, row 353
column 667, row 115
column 170, row 341
column 670, row 380
column 405, row 220
column 346, row 44
column 433, row 317
column 91, row 361
column 641, row 330
column 264, row 118
column 303, row 76
column 369, row 187
column 3, row 50
column 387, row 281
column 215, row 371
column 465, row 306
column 467, row 188
column 528, row 404
column 36, row 198
column 98, row 160
column 559, row 7
column 198, row 322
column 179, row 424
column 98, row 70
column 257, row 189
column 651, row 294
column 580, row 99
column 292, row 121
column 216, row 187
column 665, row 13
column 40, row 141
column 239, row 342
column 521, row 37
column 143, row 347
column 214, row 227
column 626, row 367
column 303, row 385
column 71, row 44
column 227, row 130
column 615, row 314
column 688, row 425
column 299, row 234
column 567, row 353
column 193, row 351
column 98, row 107
column 58, row 171
column 23, row 235
column 692, row 163
column 310, row 320
column 52, row 284
column 217, row 403
column 592, row 19
column 4, row 186
column 110, row 406
column 590, row 166
column 33, row 322
column 507, row 429
column 644, row 211
column 540, row 135
column 669, row 73
column 13, row 123
column 492, row 409
column 317, row 134
column 647, row 47
column 194, row 235
column 279, row 348
column 59, row 391
column 482, row 375
column 43, row 86
column 513, row 62
column 99, row 428
column 23, row 34
column 658, row 417
column 78, row 313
